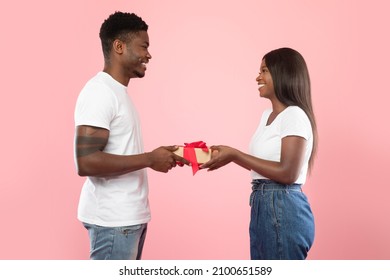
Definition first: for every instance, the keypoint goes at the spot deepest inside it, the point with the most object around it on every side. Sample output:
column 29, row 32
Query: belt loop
column 262, row 189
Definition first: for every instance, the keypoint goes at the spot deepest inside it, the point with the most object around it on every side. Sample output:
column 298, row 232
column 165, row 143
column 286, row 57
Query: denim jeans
column 116, row 243
column 282, row 223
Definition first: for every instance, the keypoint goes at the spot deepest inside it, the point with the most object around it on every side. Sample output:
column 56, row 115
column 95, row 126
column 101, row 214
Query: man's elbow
column 81, row 173
column 82, row 169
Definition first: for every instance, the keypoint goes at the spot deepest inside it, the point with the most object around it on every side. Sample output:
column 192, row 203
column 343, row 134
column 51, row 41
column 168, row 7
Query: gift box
column 196, row 153
column 201, row 155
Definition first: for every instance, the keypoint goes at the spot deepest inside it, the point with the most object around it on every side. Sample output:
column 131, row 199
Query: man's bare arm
column 91, row 160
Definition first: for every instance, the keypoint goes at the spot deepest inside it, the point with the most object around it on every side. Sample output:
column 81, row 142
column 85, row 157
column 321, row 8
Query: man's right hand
column 163, row 159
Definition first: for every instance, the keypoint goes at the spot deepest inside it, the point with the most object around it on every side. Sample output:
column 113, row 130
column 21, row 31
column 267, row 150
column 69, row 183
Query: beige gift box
column 201, row 156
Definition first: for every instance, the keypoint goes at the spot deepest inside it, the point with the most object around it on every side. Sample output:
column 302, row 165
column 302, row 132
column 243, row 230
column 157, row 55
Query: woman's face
column 264, row 80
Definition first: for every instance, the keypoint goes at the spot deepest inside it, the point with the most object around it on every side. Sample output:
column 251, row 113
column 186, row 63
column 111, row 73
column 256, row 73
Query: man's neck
column 117, row 75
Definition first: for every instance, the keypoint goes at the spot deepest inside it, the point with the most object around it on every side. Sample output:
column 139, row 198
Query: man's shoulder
column 97, row 79
column 97, row 85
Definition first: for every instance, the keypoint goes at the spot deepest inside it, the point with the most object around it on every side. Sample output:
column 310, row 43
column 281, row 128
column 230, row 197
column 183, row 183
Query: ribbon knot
column 190, row 155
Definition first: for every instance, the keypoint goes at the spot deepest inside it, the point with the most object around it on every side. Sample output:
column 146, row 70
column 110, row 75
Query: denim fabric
column 282, row 223
column 116, row 243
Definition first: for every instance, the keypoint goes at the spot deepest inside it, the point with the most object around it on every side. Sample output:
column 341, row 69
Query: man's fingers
column 171, row 148
column 181, row 159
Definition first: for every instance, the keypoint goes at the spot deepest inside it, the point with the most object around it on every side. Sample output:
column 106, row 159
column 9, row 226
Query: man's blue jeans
column 282, row 223
column 116, row 243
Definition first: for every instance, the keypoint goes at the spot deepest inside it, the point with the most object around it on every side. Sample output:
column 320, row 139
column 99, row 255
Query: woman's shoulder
column 295, row 111
column 295, row 114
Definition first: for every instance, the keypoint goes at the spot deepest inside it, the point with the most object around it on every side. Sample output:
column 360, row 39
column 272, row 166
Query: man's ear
column 118, row 46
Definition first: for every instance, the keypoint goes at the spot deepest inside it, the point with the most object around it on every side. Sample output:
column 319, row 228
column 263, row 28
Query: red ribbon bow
column 190, row 155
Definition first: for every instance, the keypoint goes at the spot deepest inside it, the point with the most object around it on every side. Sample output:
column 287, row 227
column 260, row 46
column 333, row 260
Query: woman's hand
column 220, row 156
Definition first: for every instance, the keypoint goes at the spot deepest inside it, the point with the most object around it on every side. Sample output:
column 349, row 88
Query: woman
column 281, row 152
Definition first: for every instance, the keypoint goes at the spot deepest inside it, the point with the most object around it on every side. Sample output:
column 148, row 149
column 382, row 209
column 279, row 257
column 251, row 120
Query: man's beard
column 138, row 74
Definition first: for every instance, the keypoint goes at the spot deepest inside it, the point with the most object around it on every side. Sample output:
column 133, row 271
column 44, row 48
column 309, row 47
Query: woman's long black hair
column 291, row 81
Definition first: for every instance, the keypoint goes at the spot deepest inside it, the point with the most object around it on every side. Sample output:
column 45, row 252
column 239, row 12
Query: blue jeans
column 282, row 223
column 116, row 243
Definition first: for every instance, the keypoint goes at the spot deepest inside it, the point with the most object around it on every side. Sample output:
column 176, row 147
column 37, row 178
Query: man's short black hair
column 118, row 26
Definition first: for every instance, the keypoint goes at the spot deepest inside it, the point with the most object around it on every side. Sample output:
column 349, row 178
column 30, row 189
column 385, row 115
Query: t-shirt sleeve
column 296, row 123
column 95, row 107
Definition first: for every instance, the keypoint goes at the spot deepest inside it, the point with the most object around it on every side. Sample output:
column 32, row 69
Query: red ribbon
column 190, row 155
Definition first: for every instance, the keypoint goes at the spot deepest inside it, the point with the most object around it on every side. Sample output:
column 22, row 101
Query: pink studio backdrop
column 200, row 85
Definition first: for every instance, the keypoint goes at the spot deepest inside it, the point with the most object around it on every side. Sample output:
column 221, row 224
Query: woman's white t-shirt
column 266, row 143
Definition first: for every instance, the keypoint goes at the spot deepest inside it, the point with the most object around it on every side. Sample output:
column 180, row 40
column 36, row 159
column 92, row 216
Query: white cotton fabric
column 266, row 142
column 117, row 200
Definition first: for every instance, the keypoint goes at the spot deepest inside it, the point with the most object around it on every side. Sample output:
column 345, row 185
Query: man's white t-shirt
column 266, row 143
column 116, row 200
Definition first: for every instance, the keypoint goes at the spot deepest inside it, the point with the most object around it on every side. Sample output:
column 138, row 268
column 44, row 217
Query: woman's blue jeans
column 116, row 243
column 282, row 223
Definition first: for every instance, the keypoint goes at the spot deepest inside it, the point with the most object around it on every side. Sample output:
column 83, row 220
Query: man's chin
column 139, row 74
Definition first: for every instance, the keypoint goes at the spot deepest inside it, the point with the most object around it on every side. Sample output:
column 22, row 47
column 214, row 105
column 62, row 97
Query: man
column 113, row 203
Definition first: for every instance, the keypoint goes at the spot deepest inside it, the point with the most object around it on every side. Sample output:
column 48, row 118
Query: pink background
column 200, row 85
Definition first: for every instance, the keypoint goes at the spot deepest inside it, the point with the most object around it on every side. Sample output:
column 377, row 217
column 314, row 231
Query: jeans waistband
column 269, row 185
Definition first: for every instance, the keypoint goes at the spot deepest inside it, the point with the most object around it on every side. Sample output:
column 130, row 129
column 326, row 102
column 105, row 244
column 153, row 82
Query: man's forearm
column 101, row 164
